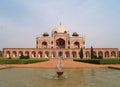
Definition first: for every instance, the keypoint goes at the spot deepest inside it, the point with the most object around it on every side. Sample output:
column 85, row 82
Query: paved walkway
column 53, row 64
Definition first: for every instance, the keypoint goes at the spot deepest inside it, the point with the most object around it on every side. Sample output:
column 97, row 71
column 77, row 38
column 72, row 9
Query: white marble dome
column 60, row 29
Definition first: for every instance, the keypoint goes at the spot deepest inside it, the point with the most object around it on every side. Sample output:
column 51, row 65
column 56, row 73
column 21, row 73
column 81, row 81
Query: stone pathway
column 54, row 62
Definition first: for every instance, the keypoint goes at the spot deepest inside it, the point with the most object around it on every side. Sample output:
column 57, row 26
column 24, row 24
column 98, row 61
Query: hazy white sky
column 21, row 21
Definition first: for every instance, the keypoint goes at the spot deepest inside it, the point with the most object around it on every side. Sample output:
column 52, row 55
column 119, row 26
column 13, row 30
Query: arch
column 113, row 54
column 27, row 53
column 60, row 43
column 8, row 54
column 67, row 54
column 68, row 42
column 95, row 54
column 46, row 54
column 87, row 53
column 44, row 44
column 51, row 42
column 76, row 44
column 14, row 54
column 53, row 54
column 107, row 55
column 100, row 54
column 33, row 54
column 20, row 53
column 74, row 54
column 40, row 54
column 60, row 54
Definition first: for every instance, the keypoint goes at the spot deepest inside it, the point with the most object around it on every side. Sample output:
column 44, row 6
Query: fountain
column 60, row 66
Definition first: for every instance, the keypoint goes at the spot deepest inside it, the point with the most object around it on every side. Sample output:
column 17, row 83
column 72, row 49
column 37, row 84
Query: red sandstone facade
column 60, row 42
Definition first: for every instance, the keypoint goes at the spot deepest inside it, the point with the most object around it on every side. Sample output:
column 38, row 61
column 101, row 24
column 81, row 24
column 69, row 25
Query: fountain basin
column 83, row 77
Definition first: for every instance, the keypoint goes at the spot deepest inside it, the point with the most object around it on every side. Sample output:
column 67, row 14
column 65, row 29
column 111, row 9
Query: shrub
column 94, row 61
column 24, row 57
column 19, row 61
column 110, row 61
column 100, row 57
column 99, row 61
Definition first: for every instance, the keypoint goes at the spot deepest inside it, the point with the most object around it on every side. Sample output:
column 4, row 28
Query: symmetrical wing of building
column 60, row 42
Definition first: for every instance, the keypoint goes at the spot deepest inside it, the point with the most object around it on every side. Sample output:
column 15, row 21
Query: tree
column 81, row 53
column 0, row 53
column 92, row 52
column 119, row 53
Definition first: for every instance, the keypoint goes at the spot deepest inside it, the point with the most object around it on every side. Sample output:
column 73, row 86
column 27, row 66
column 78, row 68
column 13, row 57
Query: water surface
column 84, row 77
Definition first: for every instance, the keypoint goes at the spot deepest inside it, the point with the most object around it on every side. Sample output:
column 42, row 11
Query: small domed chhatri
column 45, row 34
column 60, row 29
column 75, row 34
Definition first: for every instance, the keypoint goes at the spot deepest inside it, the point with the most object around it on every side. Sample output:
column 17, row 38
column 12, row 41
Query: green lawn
column 100, row 61
column 21, row 61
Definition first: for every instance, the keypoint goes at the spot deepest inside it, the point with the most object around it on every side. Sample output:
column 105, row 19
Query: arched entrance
column 100, row 54
column 8, row 54
column 53, row 54
column 40, row 54
column 107, row 54
column 87, row 54
column 46, row 54
column 44, row 44
column 60, row 54
column 67, row 54
column 60, row 43
column 76, row 44
column 113, row 54
column 14, row 54
column 74, row 54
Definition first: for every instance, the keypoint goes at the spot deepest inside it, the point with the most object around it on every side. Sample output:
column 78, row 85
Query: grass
column 21, row 61
column 100, row 61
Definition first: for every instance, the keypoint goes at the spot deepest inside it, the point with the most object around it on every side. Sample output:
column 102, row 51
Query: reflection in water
column 28, row 77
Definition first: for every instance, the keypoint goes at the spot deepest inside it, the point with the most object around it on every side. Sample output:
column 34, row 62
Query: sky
column 21, row 21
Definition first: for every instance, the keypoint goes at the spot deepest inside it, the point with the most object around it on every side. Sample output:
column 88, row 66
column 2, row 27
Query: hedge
column 99, row 61
column 110, row 61
column 21, row 61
